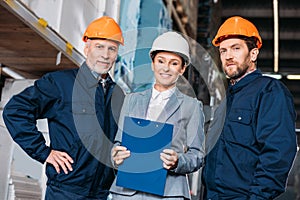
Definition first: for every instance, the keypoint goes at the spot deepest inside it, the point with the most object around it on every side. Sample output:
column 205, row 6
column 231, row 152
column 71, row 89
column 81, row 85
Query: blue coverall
column 78, row 115
column 254, row 152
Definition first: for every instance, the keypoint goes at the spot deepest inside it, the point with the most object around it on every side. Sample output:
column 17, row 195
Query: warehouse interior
column 37, row 54
column 29, row 48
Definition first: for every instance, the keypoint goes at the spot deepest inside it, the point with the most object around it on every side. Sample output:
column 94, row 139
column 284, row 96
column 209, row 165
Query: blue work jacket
column 254, row 152
column 81, row 123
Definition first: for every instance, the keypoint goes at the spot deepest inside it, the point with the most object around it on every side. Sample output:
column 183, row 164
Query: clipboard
column 143, row 170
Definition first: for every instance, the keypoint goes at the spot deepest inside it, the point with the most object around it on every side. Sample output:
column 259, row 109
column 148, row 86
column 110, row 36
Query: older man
column 81, row 118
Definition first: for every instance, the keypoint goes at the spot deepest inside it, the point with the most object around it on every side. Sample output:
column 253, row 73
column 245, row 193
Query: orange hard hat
column 237, row 26
column 104, row 28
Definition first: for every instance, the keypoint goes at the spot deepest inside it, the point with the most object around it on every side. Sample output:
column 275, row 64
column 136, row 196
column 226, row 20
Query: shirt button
column 239, row 118
column 83, row 110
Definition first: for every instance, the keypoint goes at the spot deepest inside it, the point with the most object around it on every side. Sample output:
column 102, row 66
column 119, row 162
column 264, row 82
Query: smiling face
column 101, row 55
column 167, row 67
column 236, row 58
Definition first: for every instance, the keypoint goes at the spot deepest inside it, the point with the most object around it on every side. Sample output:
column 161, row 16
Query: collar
column 100, row 77
column 165, row 94
column 90, row 77
column 234, row 81
column 244, row 81
column 95, row 74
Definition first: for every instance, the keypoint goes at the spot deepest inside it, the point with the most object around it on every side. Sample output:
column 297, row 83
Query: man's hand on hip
column 59, row 160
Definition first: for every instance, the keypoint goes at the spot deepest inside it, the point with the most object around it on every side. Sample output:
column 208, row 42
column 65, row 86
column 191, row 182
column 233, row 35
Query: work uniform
column 256, row 148
column 78, row 113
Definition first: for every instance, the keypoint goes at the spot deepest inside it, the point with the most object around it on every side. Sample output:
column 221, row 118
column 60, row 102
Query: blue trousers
column 55, row 193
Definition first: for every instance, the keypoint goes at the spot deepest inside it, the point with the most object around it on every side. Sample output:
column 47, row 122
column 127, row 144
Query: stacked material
column 23, row 187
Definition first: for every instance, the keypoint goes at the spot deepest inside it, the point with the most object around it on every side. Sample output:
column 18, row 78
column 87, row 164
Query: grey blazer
column 186, row 114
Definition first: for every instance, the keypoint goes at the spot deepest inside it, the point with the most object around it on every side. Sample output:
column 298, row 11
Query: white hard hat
column 172, row 42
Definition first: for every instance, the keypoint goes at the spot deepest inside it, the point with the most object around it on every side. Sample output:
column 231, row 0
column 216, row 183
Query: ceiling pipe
column 172, row 11
column 276, row 35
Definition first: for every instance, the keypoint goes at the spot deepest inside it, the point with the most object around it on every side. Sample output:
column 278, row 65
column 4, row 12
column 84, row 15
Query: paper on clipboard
column 143, row 170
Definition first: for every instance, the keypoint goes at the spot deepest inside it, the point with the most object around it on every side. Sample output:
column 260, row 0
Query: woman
column 165, row 103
